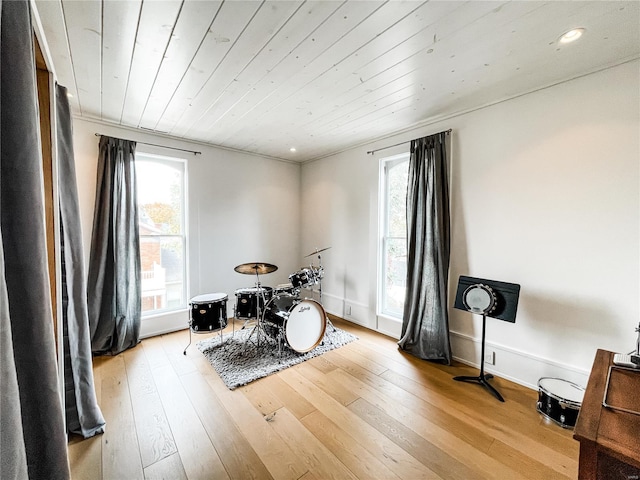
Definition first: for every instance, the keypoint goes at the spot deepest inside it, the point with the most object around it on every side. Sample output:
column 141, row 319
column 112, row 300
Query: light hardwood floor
column 363, row 411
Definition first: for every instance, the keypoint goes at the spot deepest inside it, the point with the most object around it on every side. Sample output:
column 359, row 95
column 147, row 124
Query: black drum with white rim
column 304, row 277
column 246, row 298
column 560, row 400
column 300, row 323
column 208, row 312
column 287, row 288
column 479, row 299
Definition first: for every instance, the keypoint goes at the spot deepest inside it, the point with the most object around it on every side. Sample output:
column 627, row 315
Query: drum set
column 279, row 314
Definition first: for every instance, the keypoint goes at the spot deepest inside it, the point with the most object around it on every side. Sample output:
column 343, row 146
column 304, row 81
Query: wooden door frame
column 45, row 82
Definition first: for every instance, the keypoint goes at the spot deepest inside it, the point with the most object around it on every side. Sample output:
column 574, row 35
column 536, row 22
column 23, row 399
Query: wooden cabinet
column 609, row 437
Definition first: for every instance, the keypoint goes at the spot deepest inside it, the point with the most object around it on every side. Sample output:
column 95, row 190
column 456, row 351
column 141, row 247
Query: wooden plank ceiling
column 320, row 76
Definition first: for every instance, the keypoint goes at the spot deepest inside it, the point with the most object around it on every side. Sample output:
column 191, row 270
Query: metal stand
column 256, row 268
column 320, row 290
column 219, row 332
column 257, row 328
column 483, row 378
column 185, row 348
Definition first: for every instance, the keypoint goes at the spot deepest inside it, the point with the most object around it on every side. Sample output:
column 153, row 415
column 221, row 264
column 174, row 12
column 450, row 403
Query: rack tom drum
column 304, row 277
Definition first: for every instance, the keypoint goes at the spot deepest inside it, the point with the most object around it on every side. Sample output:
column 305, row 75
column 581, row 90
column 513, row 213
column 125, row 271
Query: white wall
column 242, row 208
column 545, row 193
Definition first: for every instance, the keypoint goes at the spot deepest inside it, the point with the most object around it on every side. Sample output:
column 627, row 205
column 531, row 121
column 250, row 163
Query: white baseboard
column 164, row 323
column 354, row 312
column 514, row 365
column 389, row 326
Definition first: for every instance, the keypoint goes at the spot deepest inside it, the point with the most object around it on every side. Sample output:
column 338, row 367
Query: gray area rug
column 239, row 362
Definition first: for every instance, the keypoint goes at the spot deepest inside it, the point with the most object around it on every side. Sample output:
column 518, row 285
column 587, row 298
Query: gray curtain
column 114, row 292
column 425, row 326
column 34, row 443
column 83, row 413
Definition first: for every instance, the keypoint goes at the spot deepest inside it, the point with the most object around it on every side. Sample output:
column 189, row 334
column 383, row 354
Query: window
column 161, row 220
column 393, row 258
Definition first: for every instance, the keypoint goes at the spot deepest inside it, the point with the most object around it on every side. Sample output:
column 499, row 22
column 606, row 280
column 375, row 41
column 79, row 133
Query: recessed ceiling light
column 292, row 149
column 69, row 94
column 571, row 35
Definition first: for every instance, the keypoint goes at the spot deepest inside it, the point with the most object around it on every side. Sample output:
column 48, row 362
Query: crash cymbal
column 317, row 252
column 255, row 268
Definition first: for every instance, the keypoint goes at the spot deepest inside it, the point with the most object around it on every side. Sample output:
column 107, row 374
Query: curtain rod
column 156, row 145
column 371, row 152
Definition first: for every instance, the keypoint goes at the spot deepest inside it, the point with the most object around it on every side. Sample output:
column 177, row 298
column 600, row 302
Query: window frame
column 142, row 156
column 386, row 164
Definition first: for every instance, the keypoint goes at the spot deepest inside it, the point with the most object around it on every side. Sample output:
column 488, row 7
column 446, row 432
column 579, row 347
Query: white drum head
column 562, row 389
column 305, row 326
column 209, row 298
column 478, row 299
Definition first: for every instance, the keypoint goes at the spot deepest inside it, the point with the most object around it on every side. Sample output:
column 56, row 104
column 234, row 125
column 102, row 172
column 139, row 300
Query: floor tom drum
column 208, row 312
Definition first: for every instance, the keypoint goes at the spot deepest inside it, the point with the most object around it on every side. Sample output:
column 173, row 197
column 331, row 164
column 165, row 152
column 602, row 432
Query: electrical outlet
column 490, row 357
column 347, row 310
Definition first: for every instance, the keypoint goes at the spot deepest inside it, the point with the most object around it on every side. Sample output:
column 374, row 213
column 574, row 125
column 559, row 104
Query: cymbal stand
column 320, row 289
column 257, row 327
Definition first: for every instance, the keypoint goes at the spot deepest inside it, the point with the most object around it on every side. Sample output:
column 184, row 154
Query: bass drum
column 301, row 323
column 208, row 312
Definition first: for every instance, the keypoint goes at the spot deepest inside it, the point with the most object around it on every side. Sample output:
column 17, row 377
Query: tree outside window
column 161, row 220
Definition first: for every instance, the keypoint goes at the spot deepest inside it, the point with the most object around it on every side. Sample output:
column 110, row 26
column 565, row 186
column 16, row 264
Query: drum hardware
column 256, row 268
column 207, row 314
column 320, row 275
column 275, row 332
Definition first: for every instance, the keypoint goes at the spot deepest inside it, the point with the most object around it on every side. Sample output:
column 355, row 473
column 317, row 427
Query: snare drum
column 301, row 323
column 208, row 312
column 560, row 400
column 285, row 288
column 246, row 301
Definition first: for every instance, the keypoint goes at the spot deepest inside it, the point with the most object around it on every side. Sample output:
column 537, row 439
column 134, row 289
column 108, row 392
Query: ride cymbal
column 255, row 268
column 317, row 251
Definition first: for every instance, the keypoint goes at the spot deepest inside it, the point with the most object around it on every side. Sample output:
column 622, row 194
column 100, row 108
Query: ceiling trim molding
column 187, row 142
column 442, row 118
